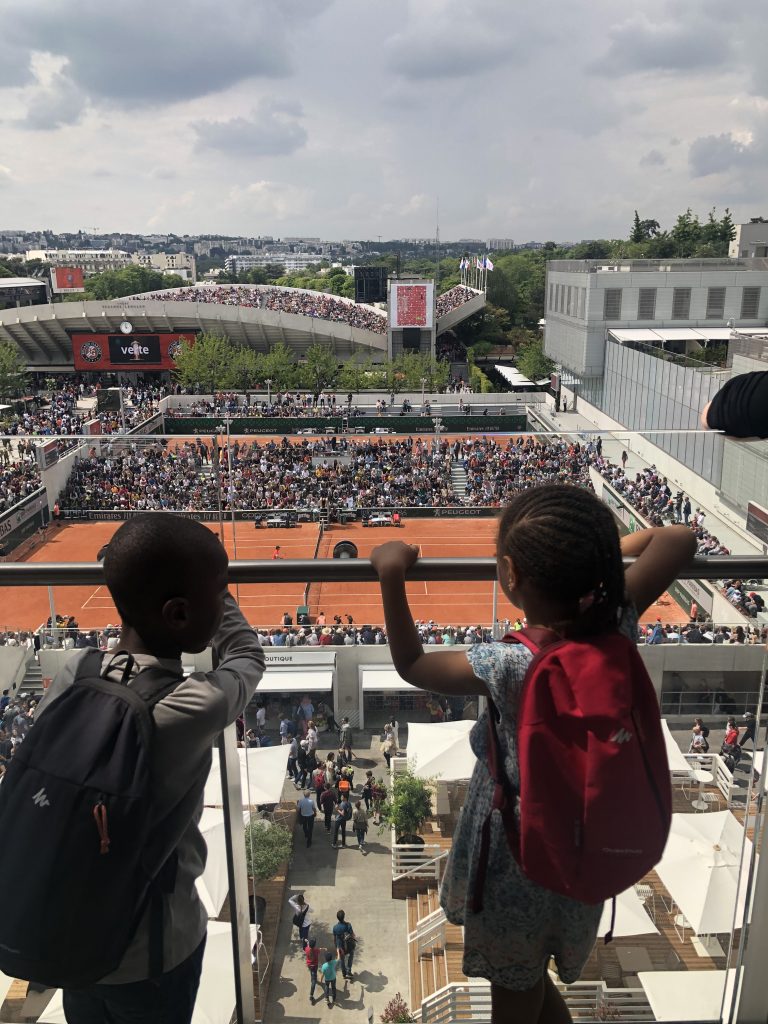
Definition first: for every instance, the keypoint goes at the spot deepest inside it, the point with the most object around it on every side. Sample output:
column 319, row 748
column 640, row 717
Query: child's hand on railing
column 395, row 557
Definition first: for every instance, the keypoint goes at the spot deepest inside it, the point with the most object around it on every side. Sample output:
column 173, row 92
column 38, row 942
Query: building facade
column 750, row 240
column 180, row 263
column 90, row 261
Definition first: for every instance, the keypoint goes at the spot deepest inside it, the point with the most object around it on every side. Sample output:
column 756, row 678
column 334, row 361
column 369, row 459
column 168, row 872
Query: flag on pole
column 478, row 263
column 488, row 263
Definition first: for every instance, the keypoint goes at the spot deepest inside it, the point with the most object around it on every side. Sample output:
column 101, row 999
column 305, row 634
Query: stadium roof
column 22, row 282
column 43, row 333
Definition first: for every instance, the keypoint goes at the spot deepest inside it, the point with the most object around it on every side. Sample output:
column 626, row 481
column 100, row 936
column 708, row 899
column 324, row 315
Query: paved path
column 360, row 884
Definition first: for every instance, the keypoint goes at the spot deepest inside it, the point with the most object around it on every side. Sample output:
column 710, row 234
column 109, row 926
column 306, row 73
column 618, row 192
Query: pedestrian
column 311, row 959
column 699, row 737
column 360, row 824
column 342, row 815
column 546, row 533
column 293, row 753
column 345, row 740
column 367, row 792
column 311, row 736
column 302, row 916
column 318, row 782
column 285, row 722
column 388, row 747
column 624, row 458
column 395, row 727
column 345, row 943
column 750, row 723
column 307, row 815
column 328, row 972
column 305, row 762
column 327, row 804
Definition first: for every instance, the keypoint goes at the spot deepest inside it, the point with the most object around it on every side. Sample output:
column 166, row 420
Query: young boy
column 168, row 579
column 328, row 973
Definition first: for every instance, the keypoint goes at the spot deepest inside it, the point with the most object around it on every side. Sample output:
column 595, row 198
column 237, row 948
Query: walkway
column 360, row 884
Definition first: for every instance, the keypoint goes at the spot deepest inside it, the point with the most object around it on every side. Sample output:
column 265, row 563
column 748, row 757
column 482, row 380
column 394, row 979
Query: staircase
column 32, row 683
column 435, row 947
column 460, row 369
column 458, row 479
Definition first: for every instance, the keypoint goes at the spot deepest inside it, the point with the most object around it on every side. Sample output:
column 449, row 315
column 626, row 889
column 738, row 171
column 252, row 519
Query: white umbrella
column 262, row 775
column 216, row 995
column 631, row 917
column 703, row 870
column 687, row 995
column 677, row 762
column 5, row 984
column 213, row 884
column 441, row 750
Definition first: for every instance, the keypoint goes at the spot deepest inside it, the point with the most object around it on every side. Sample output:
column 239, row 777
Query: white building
column 90, row 261
column 750, row 240
column 181, row 263
column 289, row 261
column 501, row 243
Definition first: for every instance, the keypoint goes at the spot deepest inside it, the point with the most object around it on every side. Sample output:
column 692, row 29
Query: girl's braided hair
column 563, row 543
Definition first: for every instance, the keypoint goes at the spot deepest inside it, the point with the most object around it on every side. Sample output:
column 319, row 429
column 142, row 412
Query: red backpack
column 595, row 794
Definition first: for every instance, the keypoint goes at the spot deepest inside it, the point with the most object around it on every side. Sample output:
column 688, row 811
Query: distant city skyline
column 550, row 121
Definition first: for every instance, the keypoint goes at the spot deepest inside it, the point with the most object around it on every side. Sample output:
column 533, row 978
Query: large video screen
column 411, row 304
column 127, row 351
column 67, row 279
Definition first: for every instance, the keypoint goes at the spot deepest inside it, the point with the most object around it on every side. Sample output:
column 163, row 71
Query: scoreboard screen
column 370, row 284
column 128, row 352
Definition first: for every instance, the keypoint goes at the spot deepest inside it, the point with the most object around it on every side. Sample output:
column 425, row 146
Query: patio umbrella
column 631, row 917
column 687, row 995
column 702, row 869
column 213, row 884
column 216, row 995
column 677, row 762
column 262, row 774
column 441, row 750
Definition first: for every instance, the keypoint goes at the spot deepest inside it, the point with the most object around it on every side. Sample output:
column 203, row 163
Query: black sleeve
column 740, row 408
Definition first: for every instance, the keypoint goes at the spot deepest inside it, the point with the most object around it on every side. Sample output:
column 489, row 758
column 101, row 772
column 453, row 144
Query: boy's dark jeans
column 169, row 999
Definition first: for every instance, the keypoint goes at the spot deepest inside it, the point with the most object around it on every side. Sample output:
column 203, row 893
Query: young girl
column 560, row 561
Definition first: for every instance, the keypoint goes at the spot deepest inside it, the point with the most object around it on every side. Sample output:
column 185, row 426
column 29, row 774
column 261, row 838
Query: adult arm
column 443, row 672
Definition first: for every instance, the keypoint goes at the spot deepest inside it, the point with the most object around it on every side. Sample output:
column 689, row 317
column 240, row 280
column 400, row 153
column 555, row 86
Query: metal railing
column 467, row 1000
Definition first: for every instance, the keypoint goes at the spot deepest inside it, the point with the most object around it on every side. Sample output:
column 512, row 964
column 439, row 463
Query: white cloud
column 273, row 129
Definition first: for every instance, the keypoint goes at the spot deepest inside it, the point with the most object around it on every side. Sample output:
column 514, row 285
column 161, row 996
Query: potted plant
column 396, row 1012
column 267, row 848
column 408, row 807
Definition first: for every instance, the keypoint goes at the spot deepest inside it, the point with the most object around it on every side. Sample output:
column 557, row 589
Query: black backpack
column 77, row 799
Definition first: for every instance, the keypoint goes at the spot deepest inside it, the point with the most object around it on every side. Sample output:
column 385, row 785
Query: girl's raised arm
column 446, row 672
column 660, row 553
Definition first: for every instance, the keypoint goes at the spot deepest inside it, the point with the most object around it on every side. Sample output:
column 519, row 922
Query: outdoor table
column 633, row 959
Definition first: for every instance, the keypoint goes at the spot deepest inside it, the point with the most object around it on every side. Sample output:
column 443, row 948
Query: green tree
column 532, row 362
column 267, row 848
column 13, row 372
column 246, row 370
column 113, row 284
column 207, row 364
column 319, row 369
column 279, row 365
column 355, row 373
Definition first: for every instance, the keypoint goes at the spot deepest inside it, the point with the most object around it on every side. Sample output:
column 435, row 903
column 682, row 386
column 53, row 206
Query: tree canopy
column 13, row 372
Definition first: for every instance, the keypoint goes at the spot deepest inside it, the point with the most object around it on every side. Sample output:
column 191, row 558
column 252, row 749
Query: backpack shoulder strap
column 154, row 683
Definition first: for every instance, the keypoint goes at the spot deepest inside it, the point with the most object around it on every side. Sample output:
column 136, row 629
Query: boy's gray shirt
column 187, row 723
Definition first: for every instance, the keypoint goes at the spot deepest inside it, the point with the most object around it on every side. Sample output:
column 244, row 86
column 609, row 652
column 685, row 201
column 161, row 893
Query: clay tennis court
column 468, row 603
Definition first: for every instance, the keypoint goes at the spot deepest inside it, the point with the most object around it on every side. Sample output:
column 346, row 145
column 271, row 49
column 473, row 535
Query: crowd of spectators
column 280, row 300
column 281, row 405
column 19, row 477
column 650, row 494
column 701, row 632
column 453, row 298
column 353, row 474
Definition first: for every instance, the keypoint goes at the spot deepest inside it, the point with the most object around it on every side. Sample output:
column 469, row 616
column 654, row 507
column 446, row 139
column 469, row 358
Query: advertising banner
column 127, row 351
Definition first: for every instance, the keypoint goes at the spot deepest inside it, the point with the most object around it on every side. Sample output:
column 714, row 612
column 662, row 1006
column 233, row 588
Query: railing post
column 239, row 910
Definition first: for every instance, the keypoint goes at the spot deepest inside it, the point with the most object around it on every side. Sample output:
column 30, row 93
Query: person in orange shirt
column 276, row 552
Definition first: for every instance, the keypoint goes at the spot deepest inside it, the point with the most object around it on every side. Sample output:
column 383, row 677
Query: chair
column 709, row 797
column 686, row 782
column 681, row 923
column 647, row 895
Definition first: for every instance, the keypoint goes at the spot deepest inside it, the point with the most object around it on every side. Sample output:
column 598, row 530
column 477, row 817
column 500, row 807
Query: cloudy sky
column 351, row 119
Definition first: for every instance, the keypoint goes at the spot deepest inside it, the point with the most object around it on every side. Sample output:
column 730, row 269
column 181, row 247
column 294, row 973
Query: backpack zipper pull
column 100, row 817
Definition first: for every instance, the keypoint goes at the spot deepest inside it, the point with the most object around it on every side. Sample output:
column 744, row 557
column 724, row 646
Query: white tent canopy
column 631, row 917
column 441, row 750
column 702, row 869
column 677, row 762
column 262, row 774
column 687, row 995
column 216, row 995
column 5, row 984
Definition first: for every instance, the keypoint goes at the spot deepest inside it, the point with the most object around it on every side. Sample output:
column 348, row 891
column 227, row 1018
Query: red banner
column 128, row 352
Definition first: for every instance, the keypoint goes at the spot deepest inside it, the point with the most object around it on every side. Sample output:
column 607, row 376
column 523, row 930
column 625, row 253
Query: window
column 568, row 301
column 681, row 303
column 551, row 296
column 612, row 304
column 750, row 303
column 715, row 303
column 646, row 304
column 582, row 303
